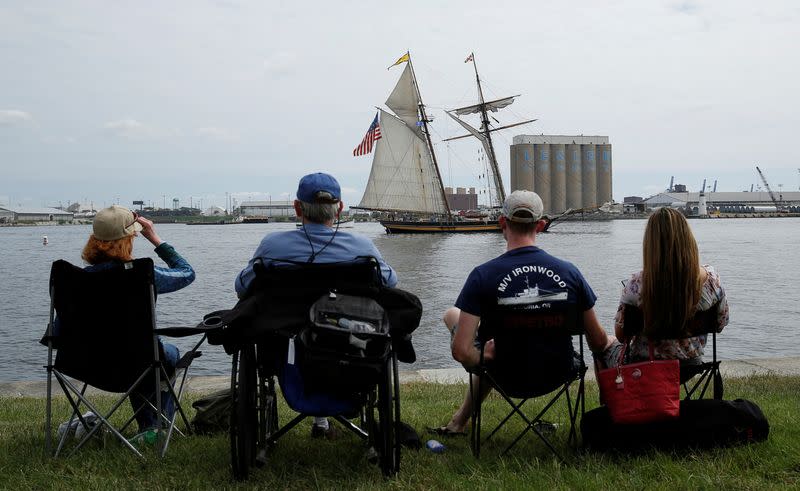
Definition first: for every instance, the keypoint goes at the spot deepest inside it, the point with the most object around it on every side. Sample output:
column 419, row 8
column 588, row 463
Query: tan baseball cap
column 115, row 222
column 523, row 206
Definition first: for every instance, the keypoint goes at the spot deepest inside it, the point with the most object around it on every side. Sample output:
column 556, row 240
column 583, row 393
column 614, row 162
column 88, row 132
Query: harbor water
column 757, row 259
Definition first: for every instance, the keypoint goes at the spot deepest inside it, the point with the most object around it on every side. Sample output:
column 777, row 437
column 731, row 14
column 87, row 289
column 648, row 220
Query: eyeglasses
column 135, row 216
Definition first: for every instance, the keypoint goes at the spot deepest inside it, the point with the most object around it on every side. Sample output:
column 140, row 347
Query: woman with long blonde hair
column 670, row 289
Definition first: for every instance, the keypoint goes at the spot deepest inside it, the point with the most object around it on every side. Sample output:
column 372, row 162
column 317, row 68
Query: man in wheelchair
column 319, row 240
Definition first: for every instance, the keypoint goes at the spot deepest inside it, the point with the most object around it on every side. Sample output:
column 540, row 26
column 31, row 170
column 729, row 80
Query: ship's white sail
column 492, row 106
column 403, row 177
column 404, row 100
column 495, row 199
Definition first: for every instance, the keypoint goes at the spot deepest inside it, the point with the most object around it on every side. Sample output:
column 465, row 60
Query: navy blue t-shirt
column 525, row 278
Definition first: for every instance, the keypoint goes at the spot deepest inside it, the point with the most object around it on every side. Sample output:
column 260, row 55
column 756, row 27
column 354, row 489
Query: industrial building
column 12, row 214
column 462, row 199
column 727, row 202
column 267, row 209
column 567, row 172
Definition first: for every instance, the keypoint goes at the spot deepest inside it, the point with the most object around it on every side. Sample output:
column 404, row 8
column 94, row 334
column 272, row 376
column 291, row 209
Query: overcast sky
column 118, row 101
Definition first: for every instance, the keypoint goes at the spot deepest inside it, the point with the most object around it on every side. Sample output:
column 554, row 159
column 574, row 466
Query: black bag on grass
column 703, row 423
column 212, row 413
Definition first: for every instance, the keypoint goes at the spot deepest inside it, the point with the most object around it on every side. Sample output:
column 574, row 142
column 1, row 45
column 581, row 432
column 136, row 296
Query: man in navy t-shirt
column 523, row 278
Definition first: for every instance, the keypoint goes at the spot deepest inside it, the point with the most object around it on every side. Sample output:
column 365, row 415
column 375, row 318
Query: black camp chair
column 323, row 370
column 103, row 333
column 694, row 376
column 534, row 357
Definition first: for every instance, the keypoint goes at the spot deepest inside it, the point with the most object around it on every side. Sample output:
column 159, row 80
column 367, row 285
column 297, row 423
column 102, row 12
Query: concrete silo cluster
column 565, row 171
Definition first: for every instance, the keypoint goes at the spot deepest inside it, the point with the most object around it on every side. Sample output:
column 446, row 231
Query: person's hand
column 149, row 231
column 488, row 350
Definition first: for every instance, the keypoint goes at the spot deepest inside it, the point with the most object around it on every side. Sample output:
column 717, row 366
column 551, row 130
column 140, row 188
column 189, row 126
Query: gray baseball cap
column 523, row 207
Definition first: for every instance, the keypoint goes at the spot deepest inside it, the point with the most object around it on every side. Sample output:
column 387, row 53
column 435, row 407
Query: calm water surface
column 757, row 259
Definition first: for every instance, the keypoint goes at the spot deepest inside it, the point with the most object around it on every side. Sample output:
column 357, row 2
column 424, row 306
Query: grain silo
column 541, row 173
column 588, row 175
column 603, row 156
column 573, row 177
column 522, row 167
column 581, row 180
column 558, row 184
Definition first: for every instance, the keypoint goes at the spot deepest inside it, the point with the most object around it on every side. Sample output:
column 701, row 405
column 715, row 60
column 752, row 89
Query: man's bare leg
column 458, row 423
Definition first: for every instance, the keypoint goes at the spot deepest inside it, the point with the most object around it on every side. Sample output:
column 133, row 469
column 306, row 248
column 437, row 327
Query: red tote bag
column 641, row 392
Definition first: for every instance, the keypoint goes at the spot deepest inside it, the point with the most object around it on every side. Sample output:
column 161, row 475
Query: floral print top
column 712, row 295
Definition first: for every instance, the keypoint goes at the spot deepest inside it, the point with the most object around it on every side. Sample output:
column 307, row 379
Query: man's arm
column 388, row 274
column 243, row 279
column 247, row 275
column 463, row 348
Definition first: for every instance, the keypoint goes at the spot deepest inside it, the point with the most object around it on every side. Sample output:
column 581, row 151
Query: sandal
column 445, row 431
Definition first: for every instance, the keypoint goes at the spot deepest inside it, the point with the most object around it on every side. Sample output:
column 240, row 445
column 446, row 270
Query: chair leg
column 397, row 420
column 476, row 393
column 69, row 388
column 531, row 423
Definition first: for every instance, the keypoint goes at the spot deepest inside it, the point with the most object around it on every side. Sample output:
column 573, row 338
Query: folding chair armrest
column 187, row 359
column 181, row 332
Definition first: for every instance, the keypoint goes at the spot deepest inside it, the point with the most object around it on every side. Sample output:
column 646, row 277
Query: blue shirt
column 296, row 245
column 526, row 278
column 176, row 275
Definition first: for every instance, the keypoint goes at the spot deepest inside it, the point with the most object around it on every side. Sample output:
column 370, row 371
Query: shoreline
column 571, row 218
column 789, row 366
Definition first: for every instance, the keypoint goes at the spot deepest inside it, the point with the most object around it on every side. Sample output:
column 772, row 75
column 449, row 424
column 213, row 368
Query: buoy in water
column 44, row 240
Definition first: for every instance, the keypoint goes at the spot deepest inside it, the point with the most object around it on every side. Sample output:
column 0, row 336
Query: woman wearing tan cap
column 111, row 242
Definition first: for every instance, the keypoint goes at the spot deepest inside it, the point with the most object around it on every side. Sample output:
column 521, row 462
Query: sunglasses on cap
column 135, row 216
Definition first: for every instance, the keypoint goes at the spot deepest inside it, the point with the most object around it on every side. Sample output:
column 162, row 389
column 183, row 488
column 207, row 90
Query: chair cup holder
column 213, row 319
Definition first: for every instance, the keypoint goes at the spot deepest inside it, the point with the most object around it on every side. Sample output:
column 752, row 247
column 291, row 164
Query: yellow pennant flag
column 402, row 59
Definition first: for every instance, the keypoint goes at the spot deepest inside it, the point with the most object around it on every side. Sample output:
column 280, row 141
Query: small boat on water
column 255, row 220
column 405, row 182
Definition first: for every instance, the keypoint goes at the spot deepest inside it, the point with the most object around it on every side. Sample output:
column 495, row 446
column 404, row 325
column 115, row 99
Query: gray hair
column 319, row 212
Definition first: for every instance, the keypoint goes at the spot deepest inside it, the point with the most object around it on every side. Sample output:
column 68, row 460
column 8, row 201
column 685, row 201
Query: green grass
column 298, row 462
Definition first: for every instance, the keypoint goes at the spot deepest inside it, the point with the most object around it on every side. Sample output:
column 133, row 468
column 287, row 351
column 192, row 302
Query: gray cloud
column 131, row 129
column 280, row 64
column 218, row 134
column 14, row 117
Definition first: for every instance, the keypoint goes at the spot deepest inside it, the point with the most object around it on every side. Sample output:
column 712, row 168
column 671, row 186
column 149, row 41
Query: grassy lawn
column 298, row 462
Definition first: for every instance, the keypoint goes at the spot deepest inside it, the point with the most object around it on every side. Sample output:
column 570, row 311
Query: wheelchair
column 285, row 333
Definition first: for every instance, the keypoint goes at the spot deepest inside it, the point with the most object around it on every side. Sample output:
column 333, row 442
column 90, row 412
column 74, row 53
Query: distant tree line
column 161, row 212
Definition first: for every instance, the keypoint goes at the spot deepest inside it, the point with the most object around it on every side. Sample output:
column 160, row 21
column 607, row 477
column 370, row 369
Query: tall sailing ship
column 405, row 182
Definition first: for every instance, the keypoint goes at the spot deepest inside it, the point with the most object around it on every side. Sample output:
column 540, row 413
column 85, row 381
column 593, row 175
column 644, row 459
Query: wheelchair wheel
column 244, row 415
column 267, row 416
column 388, row 453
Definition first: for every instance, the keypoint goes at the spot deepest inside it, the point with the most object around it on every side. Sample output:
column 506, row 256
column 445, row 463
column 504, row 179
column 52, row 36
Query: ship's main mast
column 484, row 133
column 498, row 183
column 425, row 121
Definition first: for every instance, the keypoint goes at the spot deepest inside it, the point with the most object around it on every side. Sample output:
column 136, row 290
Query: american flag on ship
column 373, row 134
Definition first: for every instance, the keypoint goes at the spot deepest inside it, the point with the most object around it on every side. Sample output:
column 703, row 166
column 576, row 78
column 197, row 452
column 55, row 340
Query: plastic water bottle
column 435, row 446
column 356, row 326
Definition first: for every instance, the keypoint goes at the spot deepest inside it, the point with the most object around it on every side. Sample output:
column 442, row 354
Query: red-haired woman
column 111, row 242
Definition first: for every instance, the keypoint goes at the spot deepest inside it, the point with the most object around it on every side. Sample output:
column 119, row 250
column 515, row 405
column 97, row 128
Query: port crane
column 778, row 206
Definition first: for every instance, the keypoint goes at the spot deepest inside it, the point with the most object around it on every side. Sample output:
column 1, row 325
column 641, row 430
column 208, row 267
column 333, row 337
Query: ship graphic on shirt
column 532, row 295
